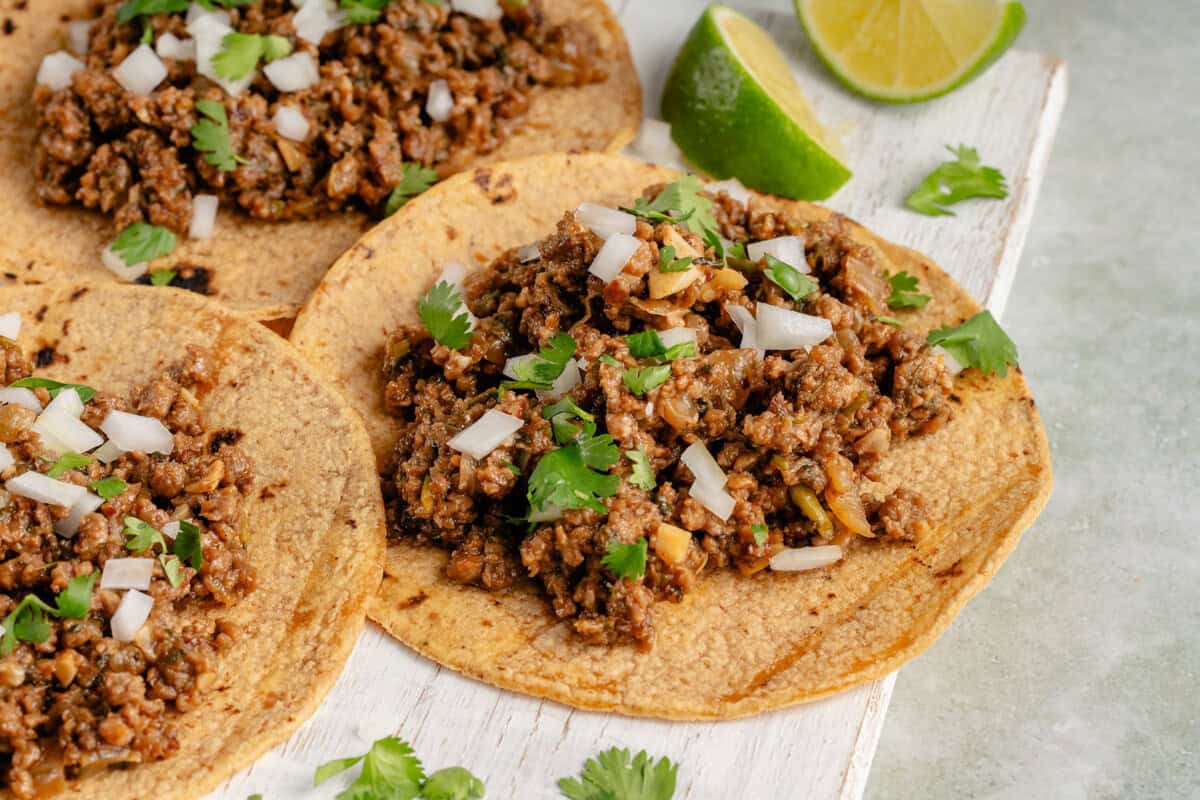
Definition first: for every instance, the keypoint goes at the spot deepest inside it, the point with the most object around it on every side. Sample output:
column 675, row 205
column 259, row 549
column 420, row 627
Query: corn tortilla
column 313, row 519
column 735, row 645
column 264, row 269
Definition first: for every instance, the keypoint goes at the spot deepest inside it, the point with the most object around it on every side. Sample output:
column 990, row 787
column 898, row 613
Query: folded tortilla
column 265, row 269
column 735, row 645
column 313, row 519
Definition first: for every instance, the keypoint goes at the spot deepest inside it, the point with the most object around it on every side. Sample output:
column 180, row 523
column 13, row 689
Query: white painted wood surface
column 520, row 746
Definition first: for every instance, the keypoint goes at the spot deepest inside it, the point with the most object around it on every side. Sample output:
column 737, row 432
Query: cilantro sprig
column 29, row 621
column 682, row 197
column 240, row 53
column 86, row 393
column 626, row 560
column 67, row 462
column 445, row 315
column 795, row 283
column 641, row 380
column 568, row 421
column 540, row 372
column 904, row 292
column 575, row 476
column 667, row 262
column 415, row 179
column 391, row 770
column 643, row 474
column 142, row 242
column 979, row 342
column 649, row 344
column 211, row 136
column 108, row 488
column 956, row 180
column 616, row 775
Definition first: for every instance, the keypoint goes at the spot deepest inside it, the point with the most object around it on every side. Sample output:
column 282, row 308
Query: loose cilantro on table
column 641, row 380
column 144, row 536
column 74, row 601
column 188, row 546
column 392, row 771
column 760, row 534
column 68, row 461
column 643, row 474
column 452, row 783
column 211, row 136
column 240, row 53
column 956, row 180
column 142, row 242
column 108, row 488
column 445, row 316
column 979, row 342
column 414, row 180
column 791, row 280
column 667, row 262
column 86, row 393
column 692, row 209
column 162, row 277
column 614, row 775
column 575, row 476
column 626, row 560
column 904, row 292
column 540, row 372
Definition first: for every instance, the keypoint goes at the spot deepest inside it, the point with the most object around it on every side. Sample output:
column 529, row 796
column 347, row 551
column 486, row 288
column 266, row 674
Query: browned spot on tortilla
column 12, row 276
column 45, row 356
column 66, row 327
column 41, row 313
column 414, row 601
column 451, row 232
column 75, row 295
column 483, row 178
column 952, row 571
column 188, row 277
column 222, row 438
column 9, row 27
column 281, row 327
column 270, row 489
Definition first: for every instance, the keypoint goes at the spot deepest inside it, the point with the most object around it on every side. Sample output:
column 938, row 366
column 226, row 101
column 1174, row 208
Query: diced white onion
column 117, row 266
column 654, row 144
column 732, row 187
column 37, row 486
column 315, row 19
column 57, row 70
column 616, row 252
column 704, row 467
column 788, row 249
column 127, row 573
column 293, row 74
column 605, row 222
column 79, row 35
column 137, row 433
column 486, row 434
column 783, row 329
column 62, row 433
column 131, row 615
column 171, row 46
column 208, row 32
column 141, row 71
column 529, row 253
column 204, row 216
column 676, row 336
column 108, row 453
column 799, row 559
column 196, row 12
column 484, row 9
column 67, row 402
column 68, row 526
column 746, row 323
column 567, row 380
column 290, row 123
column 714, row 498
column 6, row 458
column 21, row 397
column 171, row 529
column 10, row 325
column 951, row 363
column 440, row 102
column 454, row 273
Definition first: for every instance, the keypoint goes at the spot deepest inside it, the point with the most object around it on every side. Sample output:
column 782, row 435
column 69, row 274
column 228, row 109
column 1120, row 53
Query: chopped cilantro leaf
column 724, row 250
column 667, row 262
column 693, row 210
column 445, row 316
column 74, row 601
column 86, row 393
column 540, row 372
column 68, row 461
column 173, row 568
column 979, row 342
column 452, row 783
column 211, row 137
column 414, row 180
column 26, row 623
column 573, row 477
column 187, row 545
column 891, row 321
column 108, row 488
column 562, row 416
column 276, row 47
column 760, row 534
column 145, row 536
column 162, row 277
column 142, row 242
column 791, row 280
column 904, row 292
column 605, row 358
column 133, row 9
column 240, row 52
column 640, row 380
column 613, row 775
column 626, row 560
column 361, row 12
column 390, row 770
column 956, row 180
column 648, row 344
column 643, row 474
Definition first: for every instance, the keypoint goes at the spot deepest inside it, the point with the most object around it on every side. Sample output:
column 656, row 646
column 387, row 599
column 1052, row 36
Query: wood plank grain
column 520, row 745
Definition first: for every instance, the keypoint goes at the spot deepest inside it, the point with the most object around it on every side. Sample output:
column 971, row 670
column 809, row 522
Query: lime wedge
column 904, row 51
column 736, row 111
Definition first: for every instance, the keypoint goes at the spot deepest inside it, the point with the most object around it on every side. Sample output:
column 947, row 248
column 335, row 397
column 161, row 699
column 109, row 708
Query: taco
column 186, row 566
column 125, row 126
column 671, row 450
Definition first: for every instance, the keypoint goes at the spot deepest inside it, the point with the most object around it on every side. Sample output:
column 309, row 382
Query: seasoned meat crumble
column 797, row 433
column 133, row 157
column 81, row 699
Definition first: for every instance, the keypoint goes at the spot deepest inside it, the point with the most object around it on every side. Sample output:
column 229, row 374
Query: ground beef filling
column 81, row 700
column 799, row 434
column 132, row 157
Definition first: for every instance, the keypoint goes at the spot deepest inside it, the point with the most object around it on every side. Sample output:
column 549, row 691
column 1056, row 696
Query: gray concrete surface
column 1074, row 674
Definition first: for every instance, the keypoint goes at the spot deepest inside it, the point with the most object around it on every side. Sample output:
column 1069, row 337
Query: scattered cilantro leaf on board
column 956, row 180
column 615, row 775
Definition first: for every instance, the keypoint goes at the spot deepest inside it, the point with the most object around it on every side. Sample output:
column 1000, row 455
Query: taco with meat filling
column 245, row 145
column 671, row 449
column 190, row 530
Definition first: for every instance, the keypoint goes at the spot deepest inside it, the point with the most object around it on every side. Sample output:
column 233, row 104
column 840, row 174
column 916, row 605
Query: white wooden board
column 520, row 746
